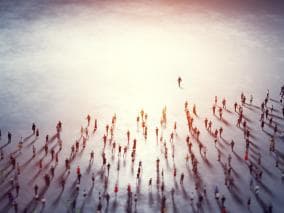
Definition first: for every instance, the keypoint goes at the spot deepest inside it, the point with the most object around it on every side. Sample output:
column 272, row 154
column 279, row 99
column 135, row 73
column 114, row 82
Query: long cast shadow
column 4, row 145
column 28, row 137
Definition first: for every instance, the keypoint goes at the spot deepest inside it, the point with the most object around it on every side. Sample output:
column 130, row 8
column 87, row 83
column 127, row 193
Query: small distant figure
column 33, row 128
column 179, row 82
column 88, row 119
column 9, row 137
column 251, row 99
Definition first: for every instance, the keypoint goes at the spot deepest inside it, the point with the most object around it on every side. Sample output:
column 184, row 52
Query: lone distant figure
column 179, row 81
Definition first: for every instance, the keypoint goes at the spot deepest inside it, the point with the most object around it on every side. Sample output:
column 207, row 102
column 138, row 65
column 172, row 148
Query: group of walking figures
column 47, row 156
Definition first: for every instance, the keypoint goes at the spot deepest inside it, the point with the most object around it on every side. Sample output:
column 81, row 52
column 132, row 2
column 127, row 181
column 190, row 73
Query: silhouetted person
column 179, row 81
column 9, row 137
column 33, row 128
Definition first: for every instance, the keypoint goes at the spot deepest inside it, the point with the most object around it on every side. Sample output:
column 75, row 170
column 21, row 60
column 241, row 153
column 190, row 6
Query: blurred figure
column 179, row 81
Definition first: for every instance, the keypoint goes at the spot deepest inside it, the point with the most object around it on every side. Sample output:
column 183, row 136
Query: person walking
column 179, row 81
column 9, row 137
column 232, row 145
column 33, row 128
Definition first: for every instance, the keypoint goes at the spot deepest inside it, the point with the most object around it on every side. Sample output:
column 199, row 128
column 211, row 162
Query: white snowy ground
column 61, row 61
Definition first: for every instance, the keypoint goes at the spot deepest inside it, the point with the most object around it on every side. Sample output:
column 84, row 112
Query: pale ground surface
column 62, row 61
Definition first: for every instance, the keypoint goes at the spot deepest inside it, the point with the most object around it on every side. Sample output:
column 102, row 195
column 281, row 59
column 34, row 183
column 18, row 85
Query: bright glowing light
column 136, row 60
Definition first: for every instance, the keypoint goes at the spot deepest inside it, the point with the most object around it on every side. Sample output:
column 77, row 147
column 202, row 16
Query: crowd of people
column 52, row 147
